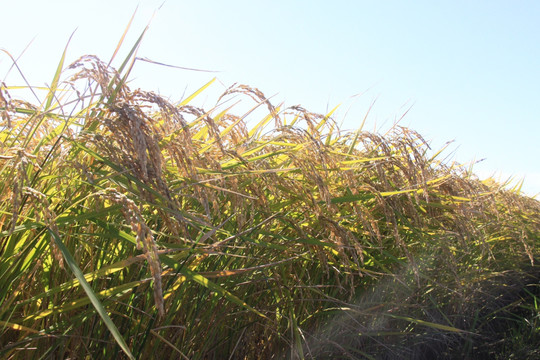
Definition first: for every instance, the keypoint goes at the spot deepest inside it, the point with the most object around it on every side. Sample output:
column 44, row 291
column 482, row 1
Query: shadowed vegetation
column 132, row 226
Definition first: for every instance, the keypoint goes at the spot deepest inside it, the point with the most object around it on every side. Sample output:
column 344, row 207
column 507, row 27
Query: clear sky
column 469, row 69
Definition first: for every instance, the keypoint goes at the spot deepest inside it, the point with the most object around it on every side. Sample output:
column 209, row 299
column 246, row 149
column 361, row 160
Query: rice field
column 131, row 226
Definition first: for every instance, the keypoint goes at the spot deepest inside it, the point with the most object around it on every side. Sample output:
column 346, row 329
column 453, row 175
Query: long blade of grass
column 326, row 117
column 56, row 78
column 18, row 327
column 192, row 96
column 91, row 295
column 359, row 131
column 119, row 45
column 130, row 59
column 106, row 270
column 427, row 323
column 78, row 303
column 254, row 133
column 201, row 280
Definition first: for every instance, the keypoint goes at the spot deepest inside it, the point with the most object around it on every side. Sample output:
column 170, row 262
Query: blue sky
column 469, row 69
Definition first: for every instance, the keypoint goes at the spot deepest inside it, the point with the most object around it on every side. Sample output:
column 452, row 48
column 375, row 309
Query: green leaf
column 91, row 295
column 352, row 198
column 192, row 96
column 54, row 84
column 201, row 280
column 427, row 323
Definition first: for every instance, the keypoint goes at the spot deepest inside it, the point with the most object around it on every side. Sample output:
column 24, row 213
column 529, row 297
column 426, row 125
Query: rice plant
column 132, row 226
